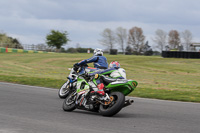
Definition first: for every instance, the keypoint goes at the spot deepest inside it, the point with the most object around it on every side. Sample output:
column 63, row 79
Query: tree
column 187, row 39
column 108, row 38
column 160, row 39
column 147, row 50
column 57, row 39
column 174, row 39
column 6, row 41
column 121, row 38
column 136, row 39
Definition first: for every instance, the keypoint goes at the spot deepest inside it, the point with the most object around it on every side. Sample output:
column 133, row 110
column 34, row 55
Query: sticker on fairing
column 134, row 84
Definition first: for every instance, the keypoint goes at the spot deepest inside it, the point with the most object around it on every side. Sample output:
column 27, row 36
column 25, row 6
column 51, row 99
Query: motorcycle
column 63, row 92
column 68, row 85
column 80, row 96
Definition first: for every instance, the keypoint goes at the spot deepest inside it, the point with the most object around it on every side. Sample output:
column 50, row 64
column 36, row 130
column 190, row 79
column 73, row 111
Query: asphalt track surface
column 28, row 109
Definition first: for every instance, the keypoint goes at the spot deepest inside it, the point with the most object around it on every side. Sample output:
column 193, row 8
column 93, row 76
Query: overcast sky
column 31, row 20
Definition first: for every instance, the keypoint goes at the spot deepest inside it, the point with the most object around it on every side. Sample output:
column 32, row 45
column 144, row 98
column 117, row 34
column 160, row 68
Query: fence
column 38, row 47
column 180, row 54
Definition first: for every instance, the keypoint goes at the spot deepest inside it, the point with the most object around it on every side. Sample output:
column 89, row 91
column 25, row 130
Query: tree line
column 128, row 41
column 173, row 40
column 133, row 40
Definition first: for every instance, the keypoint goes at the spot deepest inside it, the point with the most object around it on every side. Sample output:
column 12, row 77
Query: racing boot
column 100, row 90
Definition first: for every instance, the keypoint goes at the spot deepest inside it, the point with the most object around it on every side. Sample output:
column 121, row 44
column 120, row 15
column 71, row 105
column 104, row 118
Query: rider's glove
column 76, row 66
column 87, row 74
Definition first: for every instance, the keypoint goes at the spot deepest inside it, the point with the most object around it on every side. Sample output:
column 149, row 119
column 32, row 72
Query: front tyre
column 115, row 106
column 64, row 90
column 69, row 102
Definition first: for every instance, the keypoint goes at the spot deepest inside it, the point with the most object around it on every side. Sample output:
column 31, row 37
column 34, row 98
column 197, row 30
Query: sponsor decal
column 134, row 84
column 96, row 76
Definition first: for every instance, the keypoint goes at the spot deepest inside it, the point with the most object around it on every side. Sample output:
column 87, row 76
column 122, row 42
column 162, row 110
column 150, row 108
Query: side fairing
column 126, row 86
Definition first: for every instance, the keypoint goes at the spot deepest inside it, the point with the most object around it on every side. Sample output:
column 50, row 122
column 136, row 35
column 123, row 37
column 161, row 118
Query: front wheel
column 64, row 90
column 69, row 102
column 115, row 106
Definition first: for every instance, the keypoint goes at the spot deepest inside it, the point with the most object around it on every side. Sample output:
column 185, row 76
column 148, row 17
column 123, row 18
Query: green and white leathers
column 107, row 105
column 121, row 85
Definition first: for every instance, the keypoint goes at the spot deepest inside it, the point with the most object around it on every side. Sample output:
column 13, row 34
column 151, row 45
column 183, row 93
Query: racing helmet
column 98, row 51
column 114, row 64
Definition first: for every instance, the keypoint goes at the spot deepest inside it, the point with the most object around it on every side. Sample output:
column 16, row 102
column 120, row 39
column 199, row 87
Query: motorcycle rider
column 117, row 73
column 113, row 73
column 100, row 62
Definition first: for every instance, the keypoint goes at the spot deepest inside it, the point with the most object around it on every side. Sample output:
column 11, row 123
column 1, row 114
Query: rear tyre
column 115, row 106
column 69, row 103
column 64, row 90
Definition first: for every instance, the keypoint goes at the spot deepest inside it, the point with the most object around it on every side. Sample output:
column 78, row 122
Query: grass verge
column 43, row 82
column 160, row 78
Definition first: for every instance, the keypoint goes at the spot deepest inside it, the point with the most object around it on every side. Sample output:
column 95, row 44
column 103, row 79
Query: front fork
column 72, row 83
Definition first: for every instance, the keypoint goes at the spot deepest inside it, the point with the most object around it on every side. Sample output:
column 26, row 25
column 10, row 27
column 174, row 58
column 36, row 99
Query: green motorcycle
column 80, row 96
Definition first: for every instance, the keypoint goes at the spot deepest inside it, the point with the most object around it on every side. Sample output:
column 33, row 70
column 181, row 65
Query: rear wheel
column 69, row 102
column 114, row 106
column 64, row 90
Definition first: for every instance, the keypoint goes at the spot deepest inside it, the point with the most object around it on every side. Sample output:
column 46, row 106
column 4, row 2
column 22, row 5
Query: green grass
column 160, row 78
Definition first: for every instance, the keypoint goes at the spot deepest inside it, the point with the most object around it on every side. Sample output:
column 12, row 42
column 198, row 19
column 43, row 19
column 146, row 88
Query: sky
column 31, row 20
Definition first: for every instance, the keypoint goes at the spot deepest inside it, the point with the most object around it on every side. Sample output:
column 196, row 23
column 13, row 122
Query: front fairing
column 82, row 85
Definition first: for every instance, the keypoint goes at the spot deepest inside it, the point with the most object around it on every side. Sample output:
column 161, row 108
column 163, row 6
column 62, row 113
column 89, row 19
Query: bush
column 128, row 50
column 113, row 51
column 79, row 50
column 71, row 50
column 148, row 53
column 84, row 50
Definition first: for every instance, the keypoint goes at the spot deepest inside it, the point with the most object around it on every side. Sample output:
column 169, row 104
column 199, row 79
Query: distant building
column 195, row 47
